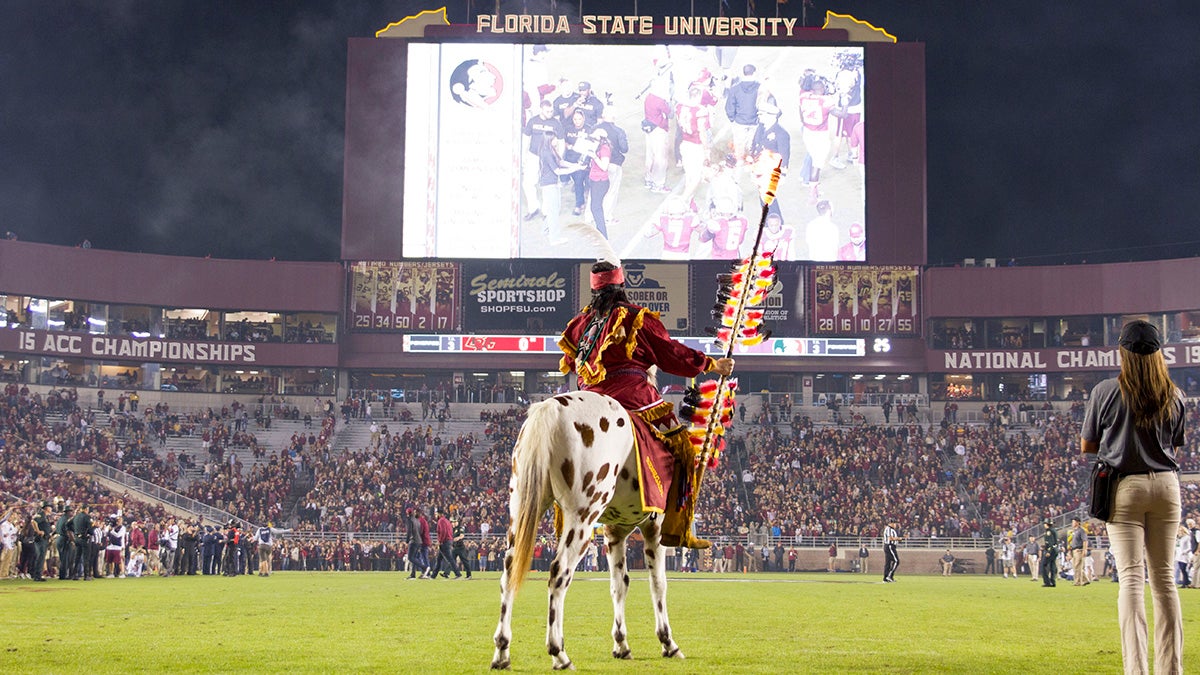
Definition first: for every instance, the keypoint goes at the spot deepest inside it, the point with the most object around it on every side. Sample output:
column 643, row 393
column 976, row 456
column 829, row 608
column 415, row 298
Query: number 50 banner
column 862, row 300
column 404, row 296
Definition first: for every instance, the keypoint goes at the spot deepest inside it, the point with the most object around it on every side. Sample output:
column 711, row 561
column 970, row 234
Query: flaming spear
column 709, row 408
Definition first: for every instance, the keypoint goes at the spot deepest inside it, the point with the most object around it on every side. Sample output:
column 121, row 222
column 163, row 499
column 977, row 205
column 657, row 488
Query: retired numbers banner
column 404, row 296
column 662, row 287
column 865, row 300
column 518, row 295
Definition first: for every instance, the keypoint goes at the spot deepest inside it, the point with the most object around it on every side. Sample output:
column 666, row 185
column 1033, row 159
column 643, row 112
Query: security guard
column 81, row 526
column 45, row 530
column 64, row 541
column 1049, row 555
column 458, row 550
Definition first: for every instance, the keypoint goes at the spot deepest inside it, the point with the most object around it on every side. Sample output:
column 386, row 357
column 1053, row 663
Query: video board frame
column 375, row 140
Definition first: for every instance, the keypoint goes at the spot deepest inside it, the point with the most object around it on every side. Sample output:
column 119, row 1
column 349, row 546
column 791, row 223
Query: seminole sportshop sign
column 1047, row 360
column 518, row 295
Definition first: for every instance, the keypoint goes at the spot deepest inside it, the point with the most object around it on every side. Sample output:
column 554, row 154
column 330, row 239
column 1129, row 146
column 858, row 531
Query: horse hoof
column 675, row 653
column 501, row 665
column 623, row 654
column 569, row 665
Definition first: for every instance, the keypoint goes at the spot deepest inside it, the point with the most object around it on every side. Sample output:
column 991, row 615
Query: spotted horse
column 576, row 450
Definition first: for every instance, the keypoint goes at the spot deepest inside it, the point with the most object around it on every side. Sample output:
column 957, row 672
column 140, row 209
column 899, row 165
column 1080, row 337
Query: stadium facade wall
column 95, row 275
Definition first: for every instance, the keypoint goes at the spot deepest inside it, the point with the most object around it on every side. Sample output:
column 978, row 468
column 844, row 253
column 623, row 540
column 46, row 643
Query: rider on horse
column 611, row 345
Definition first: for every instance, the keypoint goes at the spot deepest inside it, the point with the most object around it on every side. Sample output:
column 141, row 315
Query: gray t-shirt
column 1131, row 449
column 1077, row 538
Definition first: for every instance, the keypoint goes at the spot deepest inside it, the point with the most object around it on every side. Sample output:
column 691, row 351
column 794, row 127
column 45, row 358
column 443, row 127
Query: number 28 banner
column 865, row 300
column 404, row 296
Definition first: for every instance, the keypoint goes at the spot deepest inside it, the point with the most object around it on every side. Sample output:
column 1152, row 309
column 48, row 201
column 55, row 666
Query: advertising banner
column 1061, row 359
column 524, row 296
column 784, row 306
column 394, row 296
column 661, row 287
column 129, row 349
column 865, row 300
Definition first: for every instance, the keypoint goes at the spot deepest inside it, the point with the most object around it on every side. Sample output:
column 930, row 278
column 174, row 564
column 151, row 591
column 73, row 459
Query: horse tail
column 531, row 463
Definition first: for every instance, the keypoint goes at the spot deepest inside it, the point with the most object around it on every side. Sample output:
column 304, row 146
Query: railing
column 161, row 494
column 488, row 394
column 805, row 542
column 1060, row 522
column 871, row 399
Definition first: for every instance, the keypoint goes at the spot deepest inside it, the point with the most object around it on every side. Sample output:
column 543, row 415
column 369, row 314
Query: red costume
column 611, row 356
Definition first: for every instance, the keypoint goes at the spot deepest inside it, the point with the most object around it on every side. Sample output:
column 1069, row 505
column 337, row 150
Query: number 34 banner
column 404, row 296
column 862, row 300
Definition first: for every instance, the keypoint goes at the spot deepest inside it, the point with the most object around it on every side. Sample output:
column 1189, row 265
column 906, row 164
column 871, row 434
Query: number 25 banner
column 404, row 296
column 861, row 300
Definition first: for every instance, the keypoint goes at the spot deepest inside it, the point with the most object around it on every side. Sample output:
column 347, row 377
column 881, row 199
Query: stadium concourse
column 787, row 488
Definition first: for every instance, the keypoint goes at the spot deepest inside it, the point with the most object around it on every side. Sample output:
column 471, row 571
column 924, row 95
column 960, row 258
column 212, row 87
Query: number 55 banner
column 408, row 296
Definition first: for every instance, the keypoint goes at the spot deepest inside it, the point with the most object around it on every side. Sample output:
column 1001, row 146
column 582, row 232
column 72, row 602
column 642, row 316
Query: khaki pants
column 1077, row 567
column 947, row 567
column 1142, row 528
column 864, row 565
column 7, row 556
column 264, row 558
column 1032, row 561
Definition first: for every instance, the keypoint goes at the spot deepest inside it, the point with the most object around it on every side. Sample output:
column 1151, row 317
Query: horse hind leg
column 657, row 563
column 571, row 545
column 503, row 636
column 614, row 536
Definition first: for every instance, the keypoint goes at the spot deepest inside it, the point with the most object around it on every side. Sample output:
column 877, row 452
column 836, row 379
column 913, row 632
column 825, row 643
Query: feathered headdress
column 598, row 245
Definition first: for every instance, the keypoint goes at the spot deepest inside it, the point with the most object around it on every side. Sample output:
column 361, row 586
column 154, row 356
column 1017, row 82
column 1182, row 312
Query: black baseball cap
column 1140, row 337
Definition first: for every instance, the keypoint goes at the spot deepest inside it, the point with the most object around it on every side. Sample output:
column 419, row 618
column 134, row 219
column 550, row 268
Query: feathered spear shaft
column 740, row 293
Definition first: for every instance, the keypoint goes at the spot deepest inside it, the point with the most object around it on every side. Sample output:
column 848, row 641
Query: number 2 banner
column 404, row 296
column 862, row 300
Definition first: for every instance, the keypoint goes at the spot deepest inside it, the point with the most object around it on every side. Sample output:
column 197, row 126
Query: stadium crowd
column 780, row 483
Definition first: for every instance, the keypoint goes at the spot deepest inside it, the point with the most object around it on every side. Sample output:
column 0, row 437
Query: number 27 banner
column 404, row 296
column 865, row 300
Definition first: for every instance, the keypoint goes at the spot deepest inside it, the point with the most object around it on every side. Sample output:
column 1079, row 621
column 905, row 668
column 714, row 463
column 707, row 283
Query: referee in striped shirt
column 891, row 559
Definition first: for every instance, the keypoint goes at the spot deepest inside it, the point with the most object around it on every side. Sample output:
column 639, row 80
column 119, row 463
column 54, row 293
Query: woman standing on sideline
column 1135, row 423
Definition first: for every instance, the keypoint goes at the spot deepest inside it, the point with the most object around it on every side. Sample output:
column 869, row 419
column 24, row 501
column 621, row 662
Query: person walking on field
column 891, row 557
column 1135, row 423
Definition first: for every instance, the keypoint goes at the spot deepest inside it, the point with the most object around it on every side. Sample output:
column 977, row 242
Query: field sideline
column 335, row 622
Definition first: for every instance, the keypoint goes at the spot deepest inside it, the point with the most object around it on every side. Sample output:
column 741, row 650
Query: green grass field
column 381, row 622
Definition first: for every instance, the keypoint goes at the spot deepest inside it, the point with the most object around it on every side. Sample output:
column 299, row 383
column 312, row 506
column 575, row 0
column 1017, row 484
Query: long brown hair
column 1146, row 388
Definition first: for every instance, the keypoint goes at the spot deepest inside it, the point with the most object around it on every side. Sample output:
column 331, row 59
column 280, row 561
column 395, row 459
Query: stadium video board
column 506, row 144
column 438, row 164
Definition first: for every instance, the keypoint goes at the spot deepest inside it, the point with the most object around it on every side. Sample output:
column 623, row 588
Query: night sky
column 1057, row 132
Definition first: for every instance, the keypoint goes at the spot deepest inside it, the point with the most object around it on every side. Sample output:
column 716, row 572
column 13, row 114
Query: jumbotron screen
column 531, row 150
